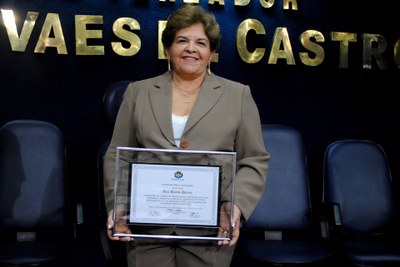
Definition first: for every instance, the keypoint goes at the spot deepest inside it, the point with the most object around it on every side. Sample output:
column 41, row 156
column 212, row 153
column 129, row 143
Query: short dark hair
column 187, row 16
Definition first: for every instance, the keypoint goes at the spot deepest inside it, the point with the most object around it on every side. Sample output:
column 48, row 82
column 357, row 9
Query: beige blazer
column 224, row 118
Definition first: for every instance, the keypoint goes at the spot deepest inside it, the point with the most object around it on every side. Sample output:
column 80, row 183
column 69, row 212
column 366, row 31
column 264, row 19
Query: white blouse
column 178, row 125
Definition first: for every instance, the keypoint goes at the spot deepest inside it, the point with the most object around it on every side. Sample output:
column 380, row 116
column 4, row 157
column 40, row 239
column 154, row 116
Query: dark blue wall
column 324, row 102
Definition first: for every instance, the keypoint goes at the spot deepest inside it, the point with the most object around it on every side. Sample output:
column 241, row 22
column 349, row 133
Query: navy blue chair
column 359, row 200
column 114, row 252
column 282, row 229
column 112, row 101
column 36, row 222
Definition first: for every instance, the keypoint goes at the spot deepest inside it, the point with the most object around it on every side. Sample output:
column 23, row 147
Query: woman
column 188, row 107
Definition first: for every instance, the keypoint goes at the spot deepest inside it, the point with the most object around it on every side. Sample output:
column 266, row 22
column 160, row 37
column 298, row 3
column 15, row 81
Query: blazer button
column 184, row 144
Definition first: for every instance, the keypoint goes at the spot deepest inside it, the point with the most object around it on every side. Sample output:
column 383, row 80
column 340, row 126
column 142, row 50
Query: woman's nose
column 191, row 47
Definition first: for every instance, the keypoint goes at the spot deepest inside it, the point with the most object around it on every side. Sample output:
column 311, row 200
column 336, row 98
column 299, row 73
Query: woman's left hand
column 226, row 224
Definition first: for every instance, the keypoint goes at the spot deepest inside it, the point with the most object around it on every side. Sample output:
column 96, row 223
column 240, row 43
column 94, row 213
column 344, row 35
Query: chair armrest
column 330, row 219
column 337, row 218
column 324, row 228
column 78, row 222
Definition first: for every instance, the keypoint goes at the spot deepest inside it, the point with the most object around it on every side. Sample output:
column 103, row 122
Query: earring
column 209, row 69
column 169, row 65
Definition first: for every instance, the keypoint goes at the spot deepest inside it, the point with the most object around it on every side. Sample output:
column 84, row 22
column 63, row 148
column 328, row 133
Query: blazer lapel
column 209, row 95
column 161, row 103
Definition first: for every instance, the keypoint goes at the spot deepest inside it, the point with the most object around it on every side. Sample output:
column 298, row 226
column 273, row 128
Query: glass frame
column 152, row 200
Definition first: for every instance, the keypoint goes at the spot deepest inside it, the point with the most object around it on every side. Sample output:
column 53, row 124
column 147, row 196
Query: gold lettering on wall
column 241, row 40
column 220, row 2
column 18, row 43
column 306, row 39
column 373, row 47
column 241, row 2
column 161, row 27
column 83, row 34
column 128, row 36
column 89, row 39
column 52, row 25
column 267, row 3
column 344, row 38
column 396, row 53
column 290, row 4
column 281, row 40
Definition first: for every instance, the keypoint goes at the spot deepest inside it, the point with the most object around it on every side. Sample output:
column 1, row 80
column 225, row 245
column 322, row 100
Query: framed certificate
column 174, row 194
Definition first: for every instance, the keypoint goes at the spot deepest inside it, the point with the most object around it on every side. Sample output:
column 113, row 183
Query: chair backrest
column 286, row 202
column 357, row 180
column 112, row 101
column 32, row 176
column 35, row 221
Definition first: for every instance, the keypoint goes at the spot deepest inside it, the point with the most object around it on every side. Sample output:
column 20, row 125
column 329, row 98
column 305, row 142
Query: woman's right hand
column 119, row 226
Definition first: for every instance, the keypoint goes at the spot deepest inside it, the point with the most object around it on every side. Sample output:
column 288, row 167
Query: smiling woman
column 190, row 108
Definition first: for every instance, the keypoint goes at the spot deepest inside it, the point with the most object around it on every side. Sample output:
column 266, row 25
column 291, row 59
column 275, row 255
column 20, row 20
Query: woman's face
column 190, row 51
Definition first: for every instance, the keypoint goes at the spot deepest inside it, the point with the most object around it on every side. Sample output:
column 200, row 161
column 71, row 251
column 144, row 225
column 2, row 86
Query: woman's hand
column 120, row 226
column 226, row 224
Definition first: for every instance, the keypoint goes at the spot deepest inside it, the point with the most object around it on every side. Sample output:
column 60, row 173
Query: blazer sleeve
column 252, row 157
column 123, row 135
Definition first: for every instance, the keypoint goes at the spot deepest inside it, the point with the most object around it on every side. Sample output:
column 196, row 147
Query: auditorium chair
column 359, row 200
column 37, row 221
column 283, row 230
